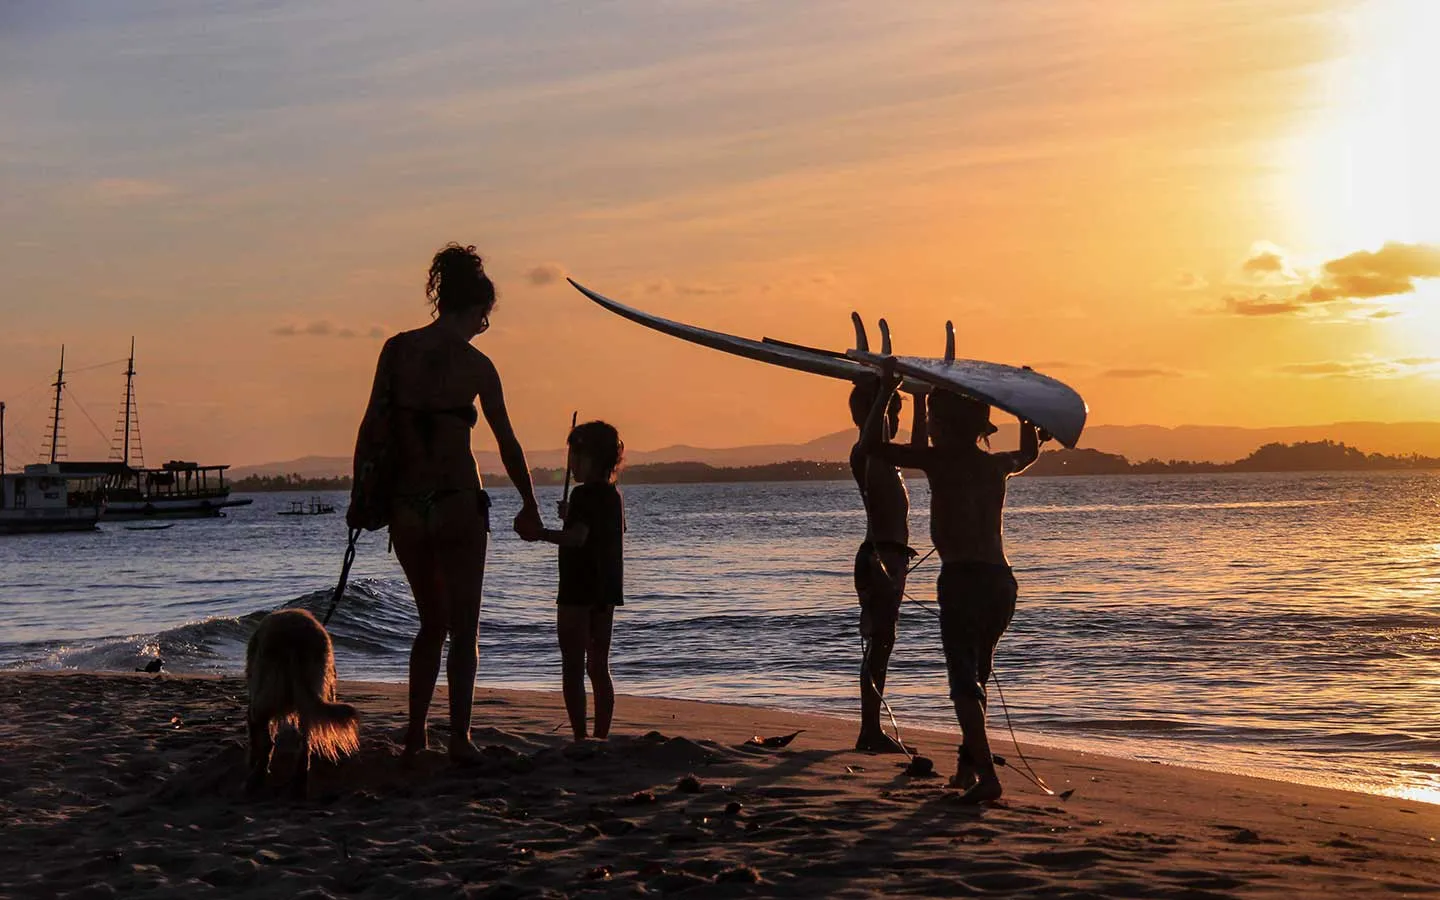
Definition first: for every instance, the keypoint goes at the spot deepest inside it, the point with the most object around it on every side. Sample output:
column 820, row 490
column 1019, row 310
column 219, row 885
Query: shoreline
column 942, row 734
column 128, row 783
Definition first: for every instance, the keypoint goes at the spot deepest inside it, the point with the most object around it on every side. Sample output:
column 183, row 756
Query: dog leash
column 344, row 575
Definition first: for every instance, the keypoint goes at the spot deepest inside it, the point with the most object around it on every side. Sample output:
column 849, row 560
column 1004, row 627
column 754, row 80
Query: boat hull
column 15, row 522
column 170, row 508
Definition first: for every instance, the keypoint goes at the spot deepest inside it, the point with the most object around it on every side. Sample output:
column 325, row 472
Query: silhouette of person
column 419, row 419
column 976, row 589
column 882, row 560
column 592, row 573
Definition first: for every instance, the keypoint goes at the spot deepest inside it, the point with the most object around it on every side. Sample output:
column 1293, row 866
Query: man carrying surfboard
column 976, row 590
column 883, row 558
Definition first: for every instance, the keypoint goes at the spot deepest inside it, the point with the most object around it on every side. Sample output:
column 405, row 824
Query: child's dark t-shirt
column 594, row 574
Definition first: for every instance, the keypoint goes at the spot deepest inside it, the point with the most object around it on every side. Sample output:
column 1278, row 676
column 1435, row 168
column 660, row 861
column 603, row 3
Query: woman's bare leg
column 572, row 628
column 422, row 571
column 597, row 664
column 463, row 568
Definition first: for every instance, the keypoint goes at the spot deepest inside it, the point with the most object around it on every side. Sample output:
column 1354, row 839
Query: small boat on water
column 316, row 507
column 150, row 527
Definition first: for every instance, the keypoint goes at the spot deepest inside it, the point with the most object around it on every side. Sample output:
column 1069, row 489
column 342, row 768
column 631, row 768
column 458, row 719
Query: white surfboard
column 1023, row 392
column 791, row 356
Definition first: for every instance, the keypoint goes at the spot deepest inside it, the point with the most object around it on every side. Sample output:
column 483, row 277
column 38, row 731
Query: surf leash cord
column 885, row 704
column 1028, row 773
column 344, row 575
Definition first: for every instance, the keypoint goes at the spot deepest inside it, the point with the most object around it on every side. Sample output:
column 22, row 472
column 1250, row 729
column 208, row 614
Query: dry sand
column 118, row 785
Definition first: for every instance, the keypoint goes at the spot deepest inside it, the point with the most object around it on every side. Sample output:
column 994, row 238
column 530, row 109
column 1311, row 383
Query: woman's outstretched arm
column 512, row 455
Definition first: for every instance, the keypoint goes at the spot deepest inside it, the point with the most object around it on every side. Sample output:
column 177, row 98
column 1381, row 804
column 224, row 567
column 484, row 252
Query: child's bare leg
column 572, row 626
column 597, row 664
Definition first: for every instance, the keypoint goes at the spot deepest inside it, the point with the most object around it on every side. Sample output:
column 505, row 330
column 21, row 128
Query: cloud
column 1262, row 305
column 545, row 273
column 1191, row 281
column 1267, row 263
column 1390, row 270
column 1141, row 373
column 1365, row 367
column 324, row 328
column 1357, row 277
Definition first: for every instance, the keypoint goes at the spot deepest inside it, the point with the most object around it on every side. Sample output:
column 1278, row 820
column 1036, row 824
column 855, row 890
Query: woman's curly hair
column 458, row 282
column 601, row 442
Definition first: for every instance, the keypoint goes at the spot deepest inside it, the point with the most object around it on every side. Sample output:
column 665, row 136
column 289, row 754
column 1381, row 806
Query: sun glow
column 1365, row 165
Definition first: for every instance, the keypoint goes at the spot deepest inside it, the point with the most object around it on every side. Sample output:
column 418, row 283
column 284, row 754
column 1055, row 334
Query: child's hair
column 601, row 443
column 862, row 397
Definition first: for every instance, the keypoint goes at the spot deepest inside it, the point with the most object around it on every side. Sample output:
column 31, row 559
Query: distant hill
column 1306, row 456
column 1196, row 443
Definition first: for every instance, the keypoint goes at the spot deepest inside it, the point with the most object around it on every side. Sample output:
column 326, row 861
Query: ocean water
column 1279, row 625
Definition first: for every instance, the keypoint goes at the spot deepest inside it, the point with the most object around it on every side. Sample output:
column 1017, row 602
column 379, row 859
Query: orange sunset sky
column 1210, row 212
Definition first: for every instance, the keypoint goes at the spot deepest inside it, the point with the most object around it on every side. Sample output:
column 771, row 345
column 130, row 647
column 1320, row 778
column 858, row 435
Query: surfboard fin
column 949, row 341
column 884, row 338
column 861, row 341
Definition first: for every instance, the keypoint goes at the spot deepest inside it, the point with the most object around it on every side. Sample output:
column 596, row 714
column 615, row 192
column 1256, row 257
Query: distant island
column 1306, row 456
column 260, row 484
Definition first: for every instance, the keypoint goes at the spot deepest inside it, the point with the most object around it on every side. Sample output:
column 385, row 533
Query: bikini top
column 427, row 417
column 467, row 414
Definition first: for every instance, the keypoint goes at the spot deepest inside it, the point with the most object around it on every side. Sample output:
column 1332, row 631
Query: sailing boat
column 42, row 498
column 176, row 490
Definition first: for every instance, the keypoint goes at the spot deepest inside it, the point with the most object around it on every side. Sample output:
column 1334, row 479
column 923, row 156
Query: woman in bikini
column 419, row 420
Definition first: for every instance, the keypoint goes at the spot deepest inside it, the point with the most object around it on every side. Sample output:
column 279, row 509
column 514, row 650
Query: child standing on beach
column 592, row 568
column 976, row 590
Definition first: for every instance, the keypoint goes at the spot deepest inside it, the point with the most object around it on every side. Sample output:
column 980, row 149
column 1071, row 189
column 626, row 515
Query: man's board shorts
column 977, row 602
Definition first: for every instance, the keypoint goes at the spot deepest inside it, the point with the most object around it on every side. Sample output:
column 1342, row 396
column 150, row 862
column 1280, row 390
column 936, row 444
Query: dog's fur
column 290, row 673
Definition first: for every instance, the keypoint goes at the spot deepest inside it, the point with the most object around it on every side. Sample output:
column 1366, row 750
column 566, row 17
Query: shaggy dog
column 290, row 673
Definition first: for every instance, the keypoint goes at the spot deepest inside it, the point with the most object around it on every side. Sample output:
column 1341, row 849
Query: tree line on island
column 1307, row 456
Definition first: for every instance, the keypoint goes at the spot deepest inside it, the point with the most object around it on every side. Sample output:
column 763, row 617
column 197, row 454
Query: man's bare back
column 967, row 489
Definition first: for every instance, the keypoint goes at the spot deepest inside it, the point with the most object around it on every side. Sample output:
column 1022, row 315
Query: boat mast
column 2, row 441
column 121, row 442
column 55, row 422
column 129, row 396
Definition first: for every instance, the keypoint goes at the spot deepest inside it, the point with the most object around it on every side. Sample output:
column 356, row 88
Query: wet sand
column 129, row 785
